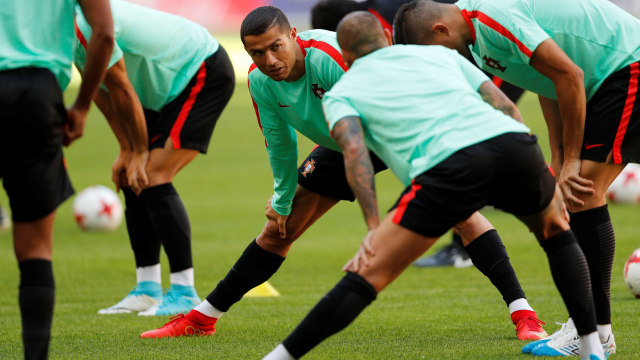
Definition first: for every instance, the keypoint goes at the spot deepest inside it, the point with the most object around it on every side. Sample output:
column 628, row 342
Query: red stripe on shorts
column 406, row 198
column 497, row 81
column 186, row 107
column 626, row 113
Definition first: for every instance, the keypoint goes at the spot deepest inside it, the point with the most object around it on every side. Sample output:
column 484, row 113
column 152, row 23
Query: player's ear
column 440, row 29
column 293, row 33
column 388, row 36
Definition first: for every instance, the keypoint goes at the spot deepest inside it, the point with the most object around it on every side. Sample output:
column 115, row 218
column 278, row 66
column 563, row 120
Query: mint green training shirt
column 39, row 34
column 417, row 105
column 161, row 51
column 597, row 36
column 283, row 107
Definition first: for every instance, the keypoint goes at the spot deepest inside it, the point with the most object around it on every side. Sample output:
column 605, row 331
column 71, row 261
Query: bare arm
column 127, row 107
column 123, row 110
column 98, row 15
column 103, row 101
column 568, row 78
column 551, row 113
column 360, row 174
column 493, row 96
column 359, row 169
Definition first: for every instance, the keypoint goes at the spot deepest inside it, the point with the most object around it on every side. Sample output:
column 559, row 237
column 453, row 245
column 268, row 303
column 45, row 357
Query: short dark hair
column 326, row 14
column 261, row 19
column 414, row 20
column 360, row 33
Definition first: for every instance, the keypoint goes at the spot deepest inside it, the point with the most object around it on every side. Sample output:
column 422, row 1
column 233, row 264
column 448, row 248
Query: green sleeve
column 336, row 108
column 282, row 147
column 474, row 76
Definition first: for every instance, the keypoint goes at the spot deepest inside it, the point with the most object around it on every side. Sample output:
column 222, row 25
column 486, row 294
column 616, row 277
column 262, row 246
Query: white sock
column 184, row 277
column 519, row 304
column 149, row 273
column 603, row 332
column 279, row 353
column 590, row 344
column 570, row 323
column 207, row 309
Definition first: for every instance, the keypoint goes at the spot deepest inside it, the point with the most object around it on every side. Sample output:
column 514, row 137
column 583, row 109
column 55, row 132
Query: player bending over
column 582, row 61
column 167, row 83
column 494, row 158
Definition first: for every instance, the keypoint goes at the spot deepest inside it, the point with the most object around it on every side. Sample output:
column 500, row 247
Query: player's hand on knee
column 281, row 220
column 136, row 175
column 572, row 183
column 363, row 255
column 119, row 168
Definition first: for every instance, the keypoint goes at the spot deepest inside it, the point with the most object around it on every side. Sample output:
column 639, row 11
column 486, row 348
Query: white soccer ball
column 632, row 273
column 625, row 189
column 97, row 208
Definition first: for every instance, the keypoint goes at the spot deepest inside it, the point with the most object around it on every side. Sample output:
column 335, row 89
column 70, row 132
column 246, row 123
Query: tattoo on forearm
column 496, row 98
column 359, row 169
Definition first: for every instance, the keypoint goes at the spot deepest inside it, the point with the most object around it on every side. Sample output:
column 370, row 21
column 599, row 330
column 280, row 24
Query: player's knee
column 159, row 175
column 553, row 227
column 270, row 236
column 473, row 227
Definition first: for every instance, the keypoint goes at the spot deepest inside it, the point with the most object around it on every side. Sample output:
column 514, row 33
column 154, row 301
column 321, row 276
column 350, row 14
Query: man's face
column 273, row 52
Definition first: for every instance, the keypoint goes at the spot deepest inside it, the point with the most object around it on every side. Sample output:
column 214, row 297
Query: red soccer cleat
column 181, row 325
column 528, row 325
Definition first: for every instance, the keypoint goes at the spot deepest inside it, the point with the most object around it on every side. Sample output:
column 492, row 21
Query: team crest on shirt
column 309, row 166
column 318, row 91
column 493, row 63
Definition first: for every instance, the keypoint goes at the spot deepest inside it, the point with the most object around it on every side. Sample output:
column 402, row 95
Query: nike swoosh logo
column 283, row 105
column 591, row 146
column 155, row 138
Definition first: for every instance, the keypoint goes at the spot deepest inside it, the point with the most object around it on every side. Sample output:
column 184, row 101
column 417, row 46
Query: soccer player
column 36, row 45
column 582, row 61
column 453, row 159
column 326, row 14
column 287, row 81
column 167, row 83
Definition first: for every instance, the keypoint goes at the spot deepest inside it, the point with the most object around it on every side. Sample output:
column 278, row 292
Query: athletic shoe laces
column 531, row 323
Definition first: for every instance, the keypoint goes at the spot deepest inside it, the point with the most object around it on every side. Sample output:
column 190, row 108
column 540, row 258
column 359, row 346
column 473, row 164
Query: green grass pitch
column 426, row 314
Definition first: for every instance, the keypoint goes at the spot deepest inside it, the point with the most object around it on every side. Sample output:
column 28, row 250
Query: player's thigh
column 184, row 126
column 396, row 247
column 548, row 222
column 602, row 175
column 471, row 228
column 164, row 163
column 307, row 207
column 33, row 170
